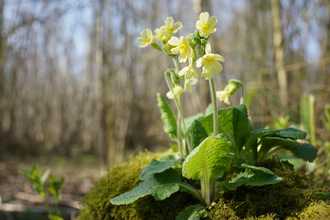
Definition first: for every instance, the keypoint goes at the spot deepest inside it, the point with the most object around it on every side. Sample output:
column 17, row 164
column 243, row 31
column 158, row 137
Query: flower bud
column 201, row 50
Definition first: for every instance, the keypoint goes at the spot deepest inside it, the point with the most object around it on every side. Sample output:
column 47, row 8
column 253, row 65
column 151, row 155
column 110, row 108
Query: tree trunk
column 279, row 53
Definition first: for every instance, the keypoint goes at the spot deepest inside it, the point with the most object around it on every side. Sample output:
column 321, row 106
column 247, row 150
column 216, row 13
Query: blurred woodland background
column 74, row 81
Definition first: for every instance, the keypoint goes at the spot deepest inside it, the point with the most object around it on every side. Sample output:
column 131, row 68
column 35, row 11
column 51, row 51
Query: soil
column 18, row 201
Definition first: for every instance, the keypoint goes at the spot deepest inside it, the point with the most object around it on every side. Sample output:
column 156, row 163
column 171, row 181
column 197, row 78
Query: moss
column 123, row 178
column 278, row 201
column 292, row 198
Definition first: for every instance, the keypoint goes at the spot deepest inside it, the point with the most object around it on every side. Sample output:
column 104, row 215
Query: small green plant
column 38, row 181
column 208, row 144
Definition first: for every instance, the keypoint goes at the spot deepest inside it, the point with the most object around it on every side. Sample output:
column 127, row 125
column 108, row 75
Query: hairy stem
column 179, row 106
column 215, row 133
column 242, row 95
column 215, row 107
column 179, row 141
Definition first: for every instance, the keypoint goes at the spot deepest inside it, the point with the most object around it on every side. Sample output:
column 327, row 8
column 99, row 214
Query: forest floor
column 18, row 201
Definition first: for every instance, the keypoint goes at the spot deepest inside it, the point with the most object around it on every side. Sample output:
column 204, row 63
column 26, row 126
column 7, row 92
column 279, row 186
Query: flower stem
column 179, row 106
column 215, row 107
column 215, row 127
column 242, row 95
column 179, row 139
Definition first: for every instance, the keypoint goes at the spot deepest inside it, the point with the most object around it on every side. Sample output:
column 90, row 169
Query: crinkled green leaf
column 307, row 152
column 208, row 160
column 191, row 213
column 233, row 123
column 241, row 126
column 278, row 141
column 156, row 166
column 268, row 143
column 261, row 176
column 159, row 185
column 167, row 116
column 291, row 133
column 225, row 114
column 197, row 134
column 251, row 141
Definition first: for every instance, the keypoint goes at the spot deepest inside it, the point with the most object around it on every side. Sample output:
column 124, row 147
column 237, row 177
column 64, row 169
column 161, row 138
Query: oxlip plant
column 208, row 143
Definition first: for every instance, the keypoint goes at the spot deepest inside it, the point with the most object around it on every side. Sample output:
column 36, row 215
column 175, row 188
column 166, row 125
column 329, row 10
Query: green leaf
column 262, row 176
column 188, row 121
column 307, row 116
column 209, row 109
column 159, row 185
column 291, row 133
column 251, row 141
column 277, row 141
column 263, row 169
column 224, row 113
column 307, row 152
column 249, row 97
column 296, row 162
column 44, row 176
column 167, row 116
column 233, row 123
column 208, row 160
column 267, row 143
column 197, row 134
column 241, row 126
column 54, row 217
column 156, row 166
column 191, row 212
column 156, row 46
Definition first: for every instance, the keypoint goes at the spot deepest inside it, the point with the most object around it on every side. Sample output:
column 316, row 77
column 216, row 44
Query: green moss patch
column 289, row 198
column 123, row 178
column 292, row 198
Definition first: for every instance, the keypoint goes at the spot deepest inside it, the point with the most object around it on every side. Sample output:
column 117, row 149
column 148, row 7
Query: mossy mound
column 293, row 198
column 290, row 198
column 123, row 178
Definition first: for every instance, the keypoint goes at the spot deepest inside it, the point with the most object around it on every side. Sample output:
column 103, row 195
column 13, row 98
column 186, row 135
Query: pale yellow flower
column 171, row 27
column 177, row 90
column 229, row 90
column 167, row 47
column 146, row 38
column 223, row 96
column 161, row 35
column 211, row 65
column 182, row 47
column 189, row 82
column 189, row 72
column 206, row 24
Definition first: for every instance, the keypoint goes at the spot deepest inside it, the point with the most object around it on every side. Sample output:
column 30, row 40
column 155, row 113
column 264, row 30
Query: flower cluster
column 183, row 48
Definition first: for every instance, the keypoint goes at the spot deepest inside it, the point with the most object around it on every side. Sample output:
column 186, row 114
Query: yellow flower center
column 209, row 59
column 183, row 46
column 205, row 26
column 149, row 39
column 170, row 30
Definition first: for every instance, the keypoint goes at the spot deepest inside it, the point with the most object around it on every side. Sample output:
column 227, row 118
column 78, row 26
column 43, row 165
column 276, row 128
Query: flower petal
column 212, row 21
column 174, row 41
column 200, row 62
column 204, row 16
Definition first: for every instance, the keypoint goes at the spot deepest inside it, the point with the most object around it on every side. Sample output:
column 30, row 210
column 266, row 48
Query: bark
column 279, row 53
